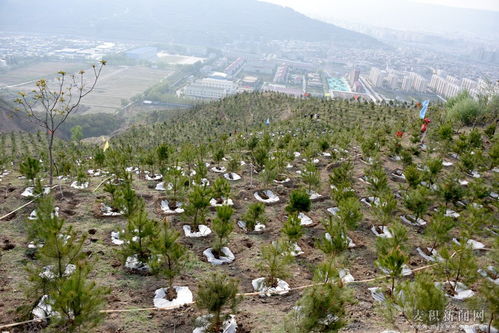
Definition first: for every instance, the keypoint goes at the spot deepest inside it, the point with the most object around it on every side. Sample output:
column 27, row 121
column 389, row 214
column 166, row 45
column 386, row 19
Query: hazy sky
column 316, row 6
column 409, row 15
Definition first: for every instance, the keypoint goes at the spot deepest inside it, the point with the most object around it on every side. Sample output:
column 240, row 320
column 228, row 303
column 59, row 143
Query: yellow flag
column 106, row 146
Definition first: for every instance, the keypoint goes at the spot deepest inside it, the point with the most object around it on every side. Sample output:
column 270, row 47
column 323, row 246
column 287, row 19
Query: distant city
column 290, row 67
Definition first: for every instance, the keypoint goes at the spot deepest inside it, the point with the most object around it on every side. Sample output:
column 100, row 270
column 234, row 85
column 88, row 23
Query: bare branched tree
column 49, row 107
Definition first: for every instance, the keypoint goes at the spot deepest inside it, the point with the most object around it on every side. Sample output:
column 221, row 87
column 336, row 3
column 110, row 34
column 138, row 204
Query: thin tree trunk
column 51, row 159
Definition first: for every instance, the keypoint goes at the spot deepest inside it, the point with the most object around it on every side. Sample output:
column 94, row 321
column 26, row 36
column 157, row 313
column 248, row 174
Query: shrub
column 416, row 200
column 78, row 301
column 299, row 201
column 292, row 228
column 254, row 213
column 168, row 256
column 322, row 308
column 421, row 302
column 350, row 212
column 222, row 226
column 139, row 235
column 274, row 262
column 199, row 201
column 338, row 241
column 30, row 168
column 466, row 111
column 216, row 294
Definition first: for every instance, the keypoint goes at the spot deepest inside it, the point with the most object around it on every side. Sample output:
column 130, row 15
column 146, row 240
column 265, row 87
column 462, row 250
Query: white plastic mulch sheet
column 304, row 219
column 219, row 169
column 165, row 208
column 490, row 273
column 475, row 245
column 28, row 192
column 406, row 271
column 333, row 211
column 115, row 238
column 154, row 177
column 477, row 328
column 385, row 232
column 203, row 231
column 345, row 276
column 282, row 181
column 232, row 176
column 184, row 296
column 47, row 272
column 161, row 187
column 79, row 186
column 259, row 286
column 43, row 309
column 370, row 201
column 411, row 220
column 258, row 226
column 229, row 326
column 225, row 202
column 377, row 294
column 108, row 211
column 351, row 244
column 272, row 198
column 314, row 195
column 296, row 251
column 433, row 257
column 462, row 292
column 133, row 263
column 227, row 257
column 33, row 216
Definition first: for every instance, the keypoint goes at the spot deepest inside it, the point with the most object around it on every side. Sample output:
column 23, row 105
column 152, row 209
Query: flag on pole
column 106, row 146
column 422, row 113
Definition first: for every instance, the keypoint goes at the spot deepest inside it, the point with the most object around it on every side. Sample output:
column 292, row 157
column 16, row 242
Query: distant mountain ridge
column 209, row 23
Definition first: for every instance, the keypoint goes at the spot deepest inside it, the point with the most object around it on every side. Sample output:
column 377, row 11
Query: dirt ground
column 255, row 314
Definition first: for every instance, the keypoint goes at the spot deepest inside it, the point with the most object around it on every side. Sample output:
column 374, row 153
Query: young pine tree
column 274, row 262
column 168, row 257
column 392, row 253
column 30, row 168
column 322, row 308
column 438, row 230
column 337, row 242
column 217, row 294
column 139, row 235
column 311, row 177
column 255, row 213
column 222, row 227
column 199, row 201
column 421, row 302
column 458, row 264
column 78, row 301
column 292, row 229
column 417, row 201
column 299, row 201
column 350, row 212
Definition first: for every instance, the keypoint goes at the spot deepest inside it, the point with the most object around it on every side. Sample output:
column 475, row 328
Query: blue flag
column 422, row 113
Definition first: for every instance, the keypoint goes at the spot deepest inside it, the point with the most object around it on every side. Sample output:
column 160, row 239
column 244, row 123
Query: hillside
column 11, row 121
column 198, row 22
column 355, row 213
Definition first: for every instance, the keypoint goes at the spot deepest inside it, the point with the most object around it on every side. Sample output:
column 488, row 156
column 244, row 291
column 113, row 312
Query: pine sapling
column 217, row 294
column 255, row 213
column 222, row 227
column 299, row 201
column 168, row 257
column 274, row 262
